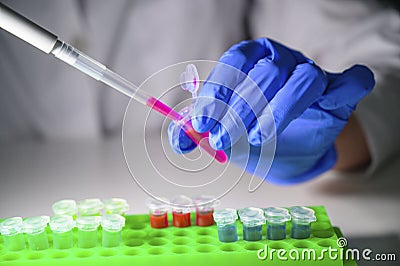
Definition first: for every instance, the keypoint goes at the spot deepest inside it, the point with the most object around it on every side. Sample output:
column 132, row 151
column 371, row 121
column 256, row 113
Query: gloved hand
column 309, row 108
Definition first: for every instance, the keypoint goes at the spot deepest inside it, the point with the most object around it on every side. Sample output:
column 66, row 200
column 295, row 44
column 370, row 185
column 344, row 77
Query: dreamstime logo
column 341, row 252
column 341, row 242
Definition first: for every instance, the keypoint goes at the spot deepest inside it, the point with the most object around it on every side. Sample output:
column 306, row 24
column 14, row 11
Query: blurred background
column 60, row 131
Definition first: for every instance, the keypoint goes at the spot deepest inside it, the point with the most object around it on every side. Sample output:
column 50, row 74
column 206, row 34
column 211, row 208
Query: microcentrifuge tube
column 276, row 222
column 181, row 211
column 34, row 228
column 65, row 207
column 115, row 206
column 301, row 221
column 112, row 225
column 158, row 213
column 12, row 231
column 87, row 231
column 90, row 207
column 226, row 224
column 62, row 226
column 204, row 210
column 252, row 219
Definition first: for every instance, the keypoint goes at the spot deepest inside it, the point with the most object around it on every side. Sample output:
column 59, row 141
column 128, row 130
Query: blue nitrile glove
column 309, row 107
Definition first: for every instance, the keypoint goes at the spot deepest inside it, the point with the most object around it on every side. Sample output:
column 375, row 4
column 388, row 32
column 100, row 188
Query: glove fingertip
column 181, row 144
column 362, row 75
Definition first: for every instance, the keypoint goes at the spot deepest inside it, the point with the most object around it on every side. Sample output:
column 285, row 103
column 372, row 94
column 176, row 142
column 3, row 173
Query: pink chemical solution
column 167, row 111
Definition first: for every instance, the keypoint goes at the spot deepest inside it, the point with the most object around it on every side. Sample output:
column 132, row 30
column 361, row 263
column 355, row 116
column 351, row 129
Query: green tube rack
column 143, row 245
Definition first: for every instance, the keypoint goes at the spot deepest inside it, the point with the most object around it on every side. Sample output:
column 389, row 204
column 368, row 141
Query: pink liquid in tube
column 167, row 111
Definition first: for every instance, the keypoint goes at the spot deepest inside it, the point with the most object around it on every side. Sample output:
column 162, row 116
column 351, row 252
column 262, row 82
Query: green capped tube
column 65, row 207
column 90, row 207
column 115, row 206
column 62, row 226
column 12, row 231
column 34, row 228
column 87, row 231
column 112, row 225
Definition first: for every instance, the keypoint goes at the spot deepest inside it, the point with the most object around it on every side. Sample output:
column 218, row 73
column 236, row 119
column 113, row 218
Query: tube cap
column 225, row 216
column 302, row 215
column 276, row 215
column 88, row 223
column 61, row 223
column 157, row 207
column 182, row 204
column 90, row 207
column 205, row 203
column 115, row 206
column 35, row 224
column 11, row 226
column 65, row 207
column 112, row 222
column 252, row 216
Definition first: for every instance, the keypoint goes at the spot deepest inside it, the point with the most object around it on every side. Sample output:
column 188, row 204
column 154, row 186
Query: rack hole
column 9, row 257
column 303, row 244
column 278, row 245
column 229, row 247
column 132, row 252
column 84, row 254
column 134, row 234
column 137, row 226
column 181, row 233
column 254, row 246
column 134, row 242
column 205, row 240
column 321, row 226
column 35, row 256
column 156, row 251
column 323, row 234
column 108, row 253
column 60, row 255
column 205, row 248
column 181, row 241
column 158, row 233
column 204, row 232
column 180, row 250
column 158, row 242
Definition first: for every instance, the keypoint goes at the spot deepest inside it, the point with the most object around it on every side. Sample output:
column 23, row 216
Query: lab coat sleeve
column 337, row 35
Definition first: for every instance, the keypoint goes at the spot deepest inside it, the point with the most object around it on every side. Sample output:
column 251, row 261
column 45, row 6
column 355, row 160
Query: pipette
column 47, row 42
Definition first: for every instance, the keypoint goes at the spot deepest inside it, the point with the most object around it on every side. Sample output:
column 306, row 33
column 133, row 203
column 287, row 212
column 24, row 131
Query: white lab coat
column 41, row 97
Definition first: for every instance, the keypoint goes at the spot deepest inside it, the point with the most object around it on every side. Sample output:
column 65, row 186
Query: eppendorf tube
column 302, row 217
column 115, row 206
column 65, row 207
column 62, row 226
column 90, row 207
column 276, row 222
column 87, row 231
column 252, row 219
column 181, row 211
column 12, row 231
column 204, row 210
column 34, row 228
column 226, row 224
column 158, row 213
column 112, row 225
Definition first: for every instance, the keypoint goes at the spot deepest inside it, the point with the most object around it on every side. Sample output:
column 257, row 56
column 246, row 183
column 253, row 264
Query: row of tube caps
column 181, row 207
column 254, row 218
column 86, row 216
